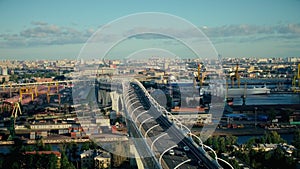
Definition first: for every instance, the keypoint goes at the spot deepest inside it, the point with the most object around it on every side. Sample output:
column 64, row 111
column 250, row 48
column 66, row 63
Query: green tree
column 64, row 162
column 222, row 147
column 13, row 78
column 47, row 147
column 85, row 146
column 278, row 159
column 250, row 142
column 273, row 137
column 272, row 113
column 234, row 164
column 296, row 139
column 230, row 140
column 74, row 153
column 1, row 161
column 215, row 144
column 209, row 141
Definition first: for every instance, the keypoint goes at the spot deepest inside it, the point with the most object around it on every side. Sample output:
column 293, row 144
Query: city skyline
column 58, row 30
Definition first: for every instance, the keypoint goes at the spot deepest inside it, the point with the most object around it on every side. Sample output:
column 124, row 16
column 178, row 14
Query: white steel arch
column 161, row 155
column 188, row 160
column 140, row 115
column 135, row 110
column 151, row 148
column 150, row 129
column 140, row 127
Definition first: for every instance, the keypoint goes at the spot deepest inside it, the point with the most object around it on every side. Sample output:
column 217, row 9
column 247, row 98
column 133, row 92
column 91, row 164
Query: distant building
column 40, row 80
column 4, row 77
column 97, row 159
column 3, row 71
column 192, row 116
column 103, row 160
column 265, row 147
column 49, row 126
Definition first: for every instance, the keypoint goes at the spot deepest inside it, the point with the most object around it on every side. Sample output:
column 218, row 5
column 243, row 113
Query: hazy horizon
column 37, row 30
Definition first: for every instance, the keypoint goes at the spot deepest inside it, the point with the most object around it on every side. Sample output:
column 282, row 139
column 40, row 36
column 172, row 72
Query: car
column 200, row 163
column 183, row 154
column 186, row 148
column 171, row 152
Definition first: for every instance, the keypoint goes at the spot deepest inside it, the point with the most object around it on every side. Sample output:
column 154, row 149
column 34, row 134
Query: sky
column 40, row 29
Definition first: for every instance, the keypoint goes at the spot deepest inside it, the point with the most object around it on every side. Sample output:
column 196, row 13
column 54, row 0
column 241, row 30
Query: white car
column 186, row 148
column 171, row 152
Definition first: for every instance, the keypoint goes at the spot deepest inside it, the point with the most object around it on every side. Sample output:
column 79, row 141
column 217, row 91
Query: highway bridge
column 160, row 139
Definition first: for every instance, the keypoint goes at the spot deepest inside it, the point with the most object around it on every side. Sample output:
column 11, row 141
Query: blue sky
column 37, row 29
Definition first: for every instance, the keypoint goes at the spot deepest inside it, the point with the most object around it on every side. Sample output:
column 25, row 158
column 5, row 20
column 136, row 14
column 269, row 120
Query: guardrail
column 180, row 126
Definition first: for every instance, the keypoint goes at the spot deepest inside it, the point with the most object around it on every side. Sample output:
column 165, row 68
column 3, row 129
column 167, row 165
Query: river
column 243, row 139
column 269, row 99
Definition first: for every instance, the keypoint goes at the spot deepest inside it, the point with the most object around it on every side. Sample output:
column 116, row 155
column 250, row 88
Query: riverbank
column 264, row 107
column 251, row 131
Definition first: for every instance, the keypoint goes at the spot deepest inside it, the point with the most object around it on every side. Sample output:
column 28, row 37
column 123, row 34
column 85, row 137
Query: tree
column 13, row 78
column 74, row 153
column 250, row 142
column 47, row 147
column 272, row 114
column 222, row 144
column 273, row 137
column 85, row 146
column 64, row 162
column 278, row 159
column 230, row 140
column 209, row 141
column 296, row 139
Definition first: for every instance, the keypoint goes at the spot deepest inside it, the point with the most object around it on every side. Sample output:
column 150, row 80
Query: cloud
column 162, row 33
column 40, row 23
column 254, row 32
column 44, row 34
column 241, row 33
column 245, row 33
column 41, row 31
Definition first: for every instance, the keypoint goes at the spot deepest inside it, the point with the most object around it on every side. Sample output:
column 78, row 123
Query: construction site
column 30, row 110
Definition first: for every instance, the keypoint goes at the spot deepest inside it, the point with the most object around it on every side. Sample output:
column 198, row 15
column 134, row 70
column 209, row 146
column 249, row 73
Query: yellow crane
column 200, row 76
column 236, row 76
column 14, row 114
column 296, row 81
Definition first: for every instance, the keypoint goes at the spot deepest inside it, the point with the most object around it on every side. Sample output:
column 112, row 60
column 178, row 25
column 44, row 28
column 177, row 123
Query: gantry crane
column 235, row 77
column 200, row 76
column 56, row 93
column 16, row 111
column 205, row 98
column 30, row 90
column 296, row 81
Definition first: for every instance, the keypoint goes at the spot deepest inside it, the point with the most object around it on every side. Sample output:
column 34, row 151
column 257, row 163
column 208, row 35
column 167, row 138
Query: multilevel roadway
column 166, row 138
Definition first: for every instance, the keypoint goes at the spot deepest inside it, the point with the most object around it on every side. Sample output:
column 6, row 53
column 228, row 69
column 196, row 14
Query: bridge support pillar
column 137, row 161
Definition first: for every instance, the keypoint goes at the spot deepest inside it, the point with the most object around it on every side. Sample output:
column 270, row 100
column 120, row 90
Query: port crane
column 236, row 77
column 296, row 81
column 14, row 110
column 205, row 98
column 201, row 75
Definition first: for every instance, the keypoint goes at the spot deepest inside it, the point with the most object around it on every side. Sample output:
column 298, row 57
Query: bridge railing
column 150, row 158
column 185, row 130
